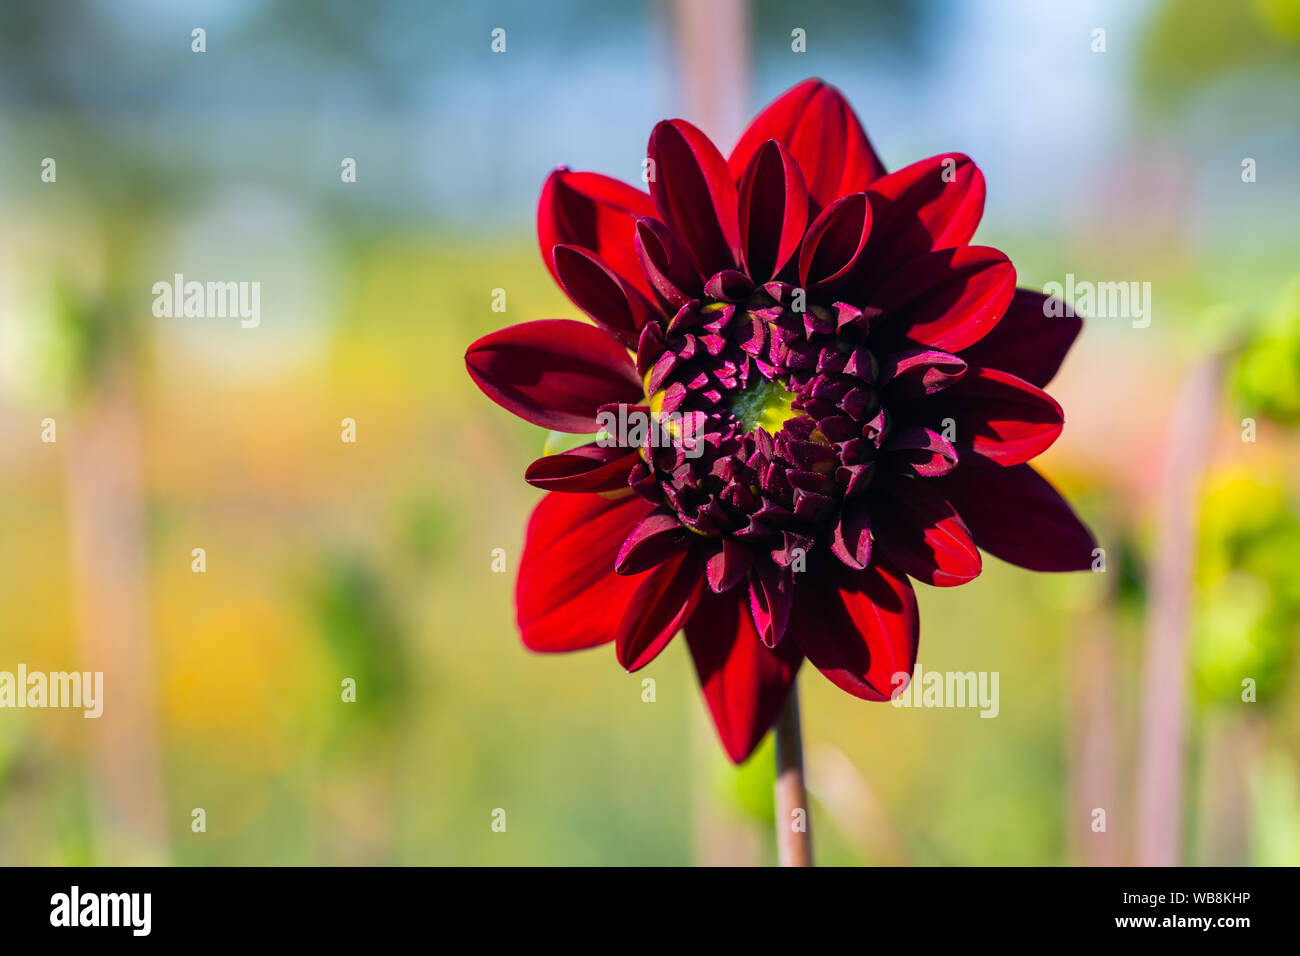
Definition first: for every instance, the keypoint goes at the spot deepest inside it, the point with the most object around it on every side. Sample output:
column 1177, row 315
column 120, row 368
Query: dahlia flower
column 845, row 396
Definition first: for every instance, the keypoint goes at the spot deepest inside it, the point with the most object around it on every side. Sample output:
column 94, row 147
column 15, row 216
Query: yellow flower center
column 764, row 404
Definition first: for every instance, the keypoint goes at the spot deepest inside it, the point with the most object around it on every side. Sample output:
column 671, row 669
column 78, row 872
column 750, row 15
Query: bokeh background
column 373, row 560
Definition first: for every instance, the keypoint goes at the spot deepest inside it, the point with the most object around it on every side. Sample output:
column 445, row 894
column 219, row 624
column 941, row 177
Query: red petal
column 1015, row 514
column 771, row 594
column 656, row 610
column 744, row 683
column 554, row 372
column 919, row 372
column 816, row 124
column 595, row 212
column 729, row 566
column 695, row 194
column 590, row 468
column 859, row 628
column 948, row 299
column 659, row 536
column 923, row 534
column 1030, row 341
column 851, row 539
column 932, row 204
column 833, row 247
column 666, row 264
column 996, row 415
column 773, row 210
column 612, row 302
column 920, row 451
column 567, row 596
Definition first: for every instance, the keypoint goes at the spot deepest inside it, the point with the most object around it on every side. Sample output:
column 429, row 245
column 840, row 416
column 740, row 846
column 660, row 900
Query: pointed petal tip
column 744, row 683
column 816, row 122
column 555, row 373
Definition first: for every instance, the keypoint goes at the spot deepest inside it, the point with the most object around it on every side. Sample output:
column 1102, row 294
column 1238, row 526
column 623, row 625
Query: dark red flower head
column 806, row 388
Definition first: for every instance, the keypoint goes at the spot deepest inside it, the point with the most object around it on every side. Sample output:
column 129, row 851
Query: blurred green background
column 372, row 560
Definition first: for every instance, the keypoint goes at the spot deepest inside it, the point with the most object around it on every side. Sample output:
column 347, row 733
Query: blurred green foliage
column 357, row 617
column 1265, row 377
column 1193, row 44
column 1248, row 616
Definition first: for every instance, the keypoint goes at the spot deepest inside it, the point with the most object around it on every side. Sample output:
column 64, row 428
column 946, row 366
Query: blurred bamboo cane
column 1161, row 752
column 847, row 797
column 712, row 40
column 1094, row 736
column 106, row 524
column 107, row 550
column 1234, row 748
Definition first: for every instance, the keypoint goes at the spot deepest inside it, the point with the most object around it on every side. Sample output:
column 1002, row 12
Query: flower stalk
column 793, row 820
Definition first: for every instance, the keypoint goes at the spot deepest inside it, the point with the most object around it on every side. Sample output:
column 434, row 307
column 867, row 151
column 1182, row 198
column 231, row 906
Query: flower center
column 763, row 404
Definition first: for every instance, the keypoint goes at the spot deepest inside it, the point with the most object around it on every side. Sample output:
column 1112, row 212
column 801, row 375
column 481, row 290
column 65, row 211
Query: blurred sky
column 448, row 133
